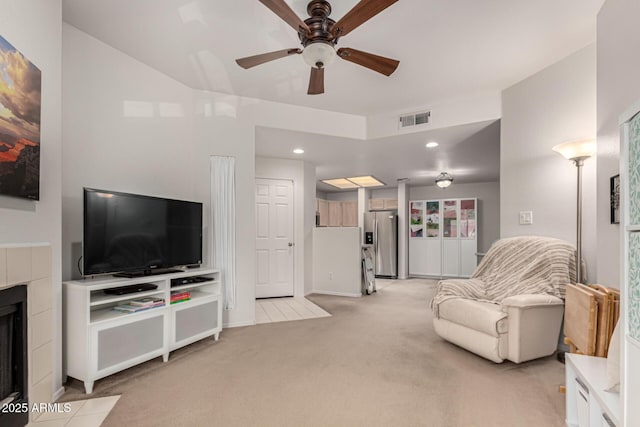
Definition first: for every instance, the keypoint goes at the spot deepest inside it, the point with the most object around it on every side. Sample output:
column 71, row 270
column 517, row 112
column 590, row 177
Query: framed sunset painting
column 20, row 98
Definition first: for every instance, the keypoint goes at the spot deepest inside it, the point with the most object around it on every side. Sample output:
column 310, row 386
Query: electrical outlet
column 526, row 217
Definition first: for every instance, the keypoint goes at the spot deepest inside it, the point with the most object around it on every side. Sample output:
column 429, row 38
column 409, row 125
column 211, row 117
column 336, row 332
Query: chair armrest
column 525, row 301
column 534, row 325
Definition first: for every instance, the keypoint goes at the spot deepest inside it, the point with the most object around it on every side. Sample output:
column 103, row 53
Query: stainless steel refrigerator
column 381, row 231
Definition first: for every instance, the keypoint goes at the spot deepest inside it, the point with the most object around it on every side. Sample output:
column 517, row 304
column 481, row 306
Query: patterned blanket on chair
column 515, row 266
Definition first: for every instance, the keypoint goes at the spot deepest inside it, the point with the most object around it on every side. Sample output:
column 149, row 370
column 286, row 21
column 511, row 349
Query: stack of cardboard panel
column 591, row 314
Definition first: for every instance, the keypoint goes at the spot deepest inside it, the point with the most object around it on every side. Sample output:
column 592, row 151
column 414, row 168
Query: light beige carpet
column 375, row 362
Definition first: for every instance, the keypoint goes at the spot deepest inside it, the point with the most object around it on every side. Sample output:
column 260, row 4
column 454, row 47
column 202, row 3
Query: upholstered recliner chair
column 512, row 306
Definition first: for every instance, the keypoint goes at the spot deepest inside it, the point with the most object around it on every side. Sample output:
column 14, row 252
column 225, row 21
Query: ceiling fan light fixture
column 319, row 54
column 444, row 180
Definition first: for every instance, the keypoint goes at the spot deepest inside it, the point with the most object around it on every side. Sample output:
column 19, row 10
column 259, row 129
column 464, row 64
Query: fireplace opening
column 13, row 357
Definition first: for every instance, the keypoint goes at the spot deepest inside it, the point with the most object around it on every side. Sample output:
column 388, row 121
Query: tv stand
column 143, row 273
column 101, row 341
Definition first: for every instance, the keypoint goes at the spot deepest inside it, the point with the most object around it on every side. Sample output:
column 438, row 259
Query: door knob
column 290, row 244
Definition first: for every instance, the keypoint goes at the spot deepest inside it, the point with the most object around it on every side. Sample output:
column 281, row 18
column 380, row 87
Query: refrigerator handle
column 375, row 233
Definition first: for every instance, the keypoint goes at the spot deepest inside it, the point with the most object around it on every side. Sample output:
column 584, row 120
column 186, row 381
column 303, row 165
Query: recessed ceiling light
column 298, row 151
column 432, row 144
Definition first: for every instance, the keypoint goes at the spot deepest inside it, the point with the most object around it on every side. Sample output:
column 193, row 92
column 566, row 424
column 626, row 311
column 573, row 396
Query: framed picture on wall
column 615, row 199
column 20, row 82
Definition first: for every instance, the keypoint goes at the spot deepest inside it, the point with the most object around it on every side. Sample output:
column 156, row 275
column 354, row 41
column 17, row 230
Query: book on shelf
column 146, row 302
column 178, row 296
column 140, row 304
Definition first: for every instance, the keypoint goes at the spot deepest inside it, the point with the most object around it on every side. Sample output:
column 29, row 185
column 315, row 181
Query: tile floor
column 284, row 309
column 83, row 413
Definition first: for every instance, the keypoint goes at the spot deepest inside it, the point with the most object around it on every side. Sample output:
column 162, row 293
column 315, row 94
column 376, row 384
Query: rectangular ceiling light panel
column 366, row 181
column 340, row 183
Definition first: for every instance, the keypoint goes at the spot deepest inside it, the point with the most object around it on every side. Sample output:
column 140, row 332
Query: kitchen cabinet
column 349, row 214
column 323, row 212
column 383, row 204
column 335, row 213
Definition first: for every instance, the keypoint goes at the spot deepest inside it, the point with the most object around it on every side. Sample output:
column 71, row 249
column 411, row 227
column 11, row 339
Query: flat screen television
column 135, row 234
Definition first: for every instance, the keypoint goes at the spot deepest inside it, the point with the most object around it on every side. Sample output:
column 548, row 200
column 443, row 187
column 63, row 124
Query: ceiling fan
column 319, row 35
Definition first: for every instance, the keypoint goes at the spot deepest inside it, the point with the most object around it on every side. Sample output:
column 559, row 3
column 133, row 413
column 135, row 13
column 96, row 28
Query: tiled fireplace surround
column 30, row 265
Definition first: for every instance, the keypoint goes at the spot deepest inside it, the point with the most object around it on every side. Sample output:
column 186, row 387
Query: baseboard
column 58, row 394
column 338, row 294
column 239, row 324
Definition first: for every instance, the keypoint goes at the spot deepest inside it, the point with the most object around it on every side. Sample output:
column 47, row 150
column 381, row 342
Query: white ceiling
column 471, row 153
column 448, row 49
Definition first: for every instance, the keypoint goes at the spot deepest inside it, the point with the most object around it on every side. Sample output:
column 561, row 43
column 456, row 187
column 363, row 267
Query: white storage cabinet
column 587, row 403
column 101, row 341
column 443, row 237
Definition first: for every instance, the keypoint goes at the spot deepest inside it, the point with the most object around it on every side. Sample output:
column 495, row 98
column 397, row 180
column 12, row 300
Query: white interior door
column 274, row 238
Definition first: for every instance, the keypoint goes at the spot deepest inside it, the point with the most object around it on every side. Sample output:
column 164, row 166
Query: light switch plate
column 526, row 217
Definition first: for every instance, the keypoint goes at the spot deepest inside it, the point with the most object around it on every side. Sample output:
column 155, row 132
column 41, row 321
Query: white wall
column 114, row 135
column 342, row 196
column 34, row 28
column 309, row 223
column 384, row 193
column 352, row 196
column 337, row 261
column 217, row 135
column 618, row 89
column 555, row 105
column 488, row 194
column 403, row 229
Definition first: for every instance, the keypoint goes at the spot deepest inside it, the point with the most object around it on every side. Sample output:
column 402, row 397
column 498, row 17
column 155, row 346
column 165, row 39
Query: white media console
column 101, row 341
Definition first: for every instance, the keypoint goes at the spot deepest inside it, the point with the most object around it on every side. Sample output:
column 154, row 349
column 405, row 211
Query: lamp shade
column 576, row 150
column 444, row 180
column 319, row 54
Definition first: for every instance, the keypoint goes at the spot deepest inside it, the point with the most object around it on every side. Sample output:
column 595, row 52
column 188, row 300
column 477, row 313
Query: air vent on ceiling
column 414, row 119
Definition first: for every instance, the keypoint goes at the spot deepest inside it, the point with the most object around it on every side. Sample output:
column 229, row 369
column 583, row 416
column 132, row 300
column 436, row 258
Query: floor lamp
column 578, row 152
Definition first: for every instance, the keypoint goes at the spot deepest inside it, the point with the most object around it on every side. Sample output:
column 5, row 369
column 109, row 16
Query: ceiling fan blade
column 359, row 14
column 377, row 63
column 252, row 61
column 316, row 81
column 280, row 8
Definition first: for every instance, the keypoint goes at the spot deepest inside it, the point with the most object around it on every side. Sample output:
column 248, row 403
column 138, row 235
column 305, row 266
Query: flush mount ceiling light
column 341, row 183
column 366, row 181
column 298, row 151
column 354, row 182
column 432, row 144
column 444, row 180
